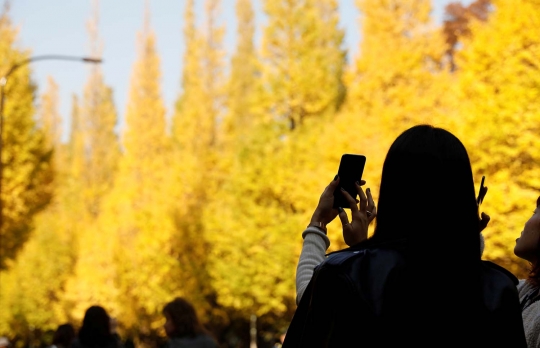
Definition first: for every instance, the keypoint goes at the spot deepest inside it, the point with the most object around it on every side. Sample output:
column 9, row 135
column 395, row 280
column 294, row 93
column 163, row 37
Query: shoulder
column 360, row 271
column 531, row 317
column 372, row 261
column 495, row 270
column 499, row 286
column 531, row 323
column 524, row 286
column 374, row 254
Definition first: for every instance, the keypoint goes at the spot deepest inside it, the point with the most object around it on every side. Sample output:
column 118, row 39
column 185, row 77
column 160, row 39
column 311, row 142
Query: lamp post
column 3, row 83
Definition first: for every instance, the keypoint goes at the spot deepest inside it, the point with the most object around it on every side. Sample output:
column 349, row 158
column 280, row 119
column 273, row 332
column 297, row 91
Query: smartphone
column 351, row 168
column 479, row 199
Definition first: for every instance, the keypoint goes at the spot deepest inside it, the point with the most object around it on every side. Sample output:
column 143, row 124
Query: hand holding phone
column 484, row 218
column 351, row 168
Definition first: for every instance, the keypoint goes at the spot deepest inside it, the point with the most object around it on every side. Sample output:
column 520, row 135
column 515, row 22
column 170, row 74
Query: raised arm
column 313, row 253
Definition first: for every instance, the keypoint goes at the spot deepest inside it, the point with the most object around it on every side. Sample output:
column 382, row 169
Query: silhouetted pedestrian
column 419, row 280
column 63, row 336
column 528, row 248
column 96, row 330
column 183, row 327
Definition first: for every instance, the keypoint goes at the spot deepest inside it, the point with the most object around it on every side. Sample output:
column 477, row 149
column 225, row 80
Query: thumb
column 484, row 220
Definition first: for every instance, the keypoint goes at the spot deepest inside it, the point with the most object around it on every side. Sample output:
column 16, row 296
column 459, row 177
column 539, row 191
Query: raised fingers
column 350, row 236
column 363, row 198
column 482, row 194
column 371, row 208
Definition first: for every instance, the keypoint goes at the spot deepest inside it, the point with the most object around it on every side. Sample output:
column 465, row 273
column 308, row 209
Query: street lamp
column 3, row 83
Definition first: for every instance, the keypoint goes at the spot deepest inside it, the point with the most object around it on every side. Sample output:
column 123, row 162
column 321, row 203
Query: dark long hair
column 184, row 318
column 427, row 208
column 95, row 330
column 427, row 192
column 534, row 273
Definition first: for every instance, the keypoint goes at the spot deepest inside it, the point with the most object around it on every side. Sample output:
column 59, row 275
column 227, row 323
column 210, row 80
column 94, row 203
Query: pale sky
column 59, row 27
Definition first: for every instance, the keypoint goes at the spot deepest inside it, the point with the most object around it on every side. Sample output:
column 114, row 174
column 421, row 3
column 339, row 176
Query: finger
column 363, row 198
column 371, row 209
column 335, row 182
column 350, row 200
column 373, row 214
column 485, row 218
column 343, row 217
column 332, row 186
column 362, row 182
column 484, row 221
column 370, row 202
column 482, row 193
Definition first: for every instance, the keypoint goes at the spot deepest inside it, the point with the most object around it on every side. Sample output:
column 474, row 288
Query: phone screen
column 350, row 170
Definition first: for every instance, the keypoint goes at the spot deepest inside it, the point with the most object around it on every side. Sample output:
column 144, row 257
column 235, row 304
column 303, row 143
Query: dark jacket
column 200, row 341
column 113, row 342
column 360, row 298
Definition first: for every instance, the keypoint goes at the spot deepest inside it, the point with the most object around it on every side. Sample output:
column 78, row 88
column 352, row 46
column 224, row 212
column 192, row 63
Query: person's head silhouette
column 64, row 336
column 427, row 193
column 181, row 319
column 96, row 328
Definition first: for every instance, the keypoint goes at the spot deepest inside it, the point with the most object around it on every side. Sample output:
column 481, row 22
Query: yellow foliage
column 26, row 167
column 215, row 210
column 499, row 86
